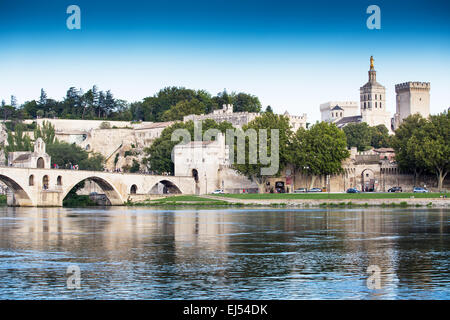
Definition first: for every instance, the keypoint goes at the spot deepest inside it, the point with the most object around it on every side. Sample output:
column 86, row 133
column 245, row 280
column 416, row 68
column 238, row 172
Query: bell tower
column 373, row 101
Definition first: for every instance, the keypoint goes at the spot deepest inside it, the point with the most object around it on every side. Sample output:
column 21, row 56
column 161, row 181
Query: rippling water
column 143, row 253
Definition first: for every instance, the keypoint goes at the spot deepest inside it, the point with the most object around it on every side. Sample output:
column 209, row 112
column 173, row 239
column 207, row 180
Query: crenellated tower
column 411, row 98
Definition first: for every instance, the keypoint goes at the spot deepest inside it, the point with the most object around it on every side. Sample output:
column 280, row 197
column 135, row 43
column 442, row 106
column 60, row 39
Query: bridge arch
column 19, row 196
column 108, row 188
column 165, row 187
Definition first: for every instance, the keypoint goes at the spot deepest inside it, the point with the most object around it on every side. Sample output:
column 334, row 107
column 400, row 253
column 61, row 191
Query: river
column 210, row 253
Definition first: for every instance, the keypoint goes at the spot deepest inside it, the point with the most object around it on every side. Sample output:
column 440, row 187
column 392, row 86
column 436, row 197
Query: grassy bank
column 332, row 196
column 183, row 200
column 190, row 200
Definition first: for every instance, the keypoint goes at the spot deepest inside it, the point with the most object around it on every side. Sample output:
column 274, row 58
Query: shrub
column 105, row 125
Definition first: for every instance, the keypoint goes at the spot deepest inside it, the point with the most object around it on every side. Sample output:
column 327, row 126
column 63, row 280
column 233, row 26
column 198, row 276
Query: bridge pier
column 18, row 199
column 50, row 198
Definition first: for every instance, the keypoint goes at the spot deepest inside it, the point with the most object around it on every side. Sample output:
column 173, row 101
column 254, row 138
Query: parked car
column 279, row 187
column 315, row 190
column 420, row 190
column 300, row 190
column 218, row 191
column 395, row 189
column 352, row 190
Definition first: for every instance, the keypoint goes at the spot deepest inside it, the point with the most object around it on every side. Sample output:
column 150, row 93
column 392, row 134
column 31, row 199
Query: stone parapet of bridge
column 48, row 187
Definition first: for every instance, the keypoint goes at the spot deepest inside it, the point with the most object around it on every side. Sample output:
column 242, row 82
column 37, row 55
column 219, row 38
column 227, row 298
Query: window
column 40, row 163
column 45, row 182
column 31, row 180
column 195, row 174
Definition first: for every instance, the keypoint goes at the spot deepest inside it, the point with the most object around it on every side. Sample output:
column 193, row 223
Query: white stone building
column 332, row 111
column 146, row 134
column 411, row 98
column 31, row 159
column 238, row 119
column 208, row 162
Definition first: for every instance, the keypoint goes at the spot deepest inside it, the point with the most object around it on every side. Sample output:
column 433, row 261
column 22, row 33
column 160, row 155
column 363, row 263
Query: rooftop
column 345, row 120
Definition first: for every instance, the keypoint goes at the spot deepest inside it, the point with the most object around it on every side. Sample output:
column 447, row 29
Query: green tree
column 31, row 109
column 17, row 139
column 154, row 107
column 241, row 101
column 135, row 166
column 432, row 146
column 184, row 108
column 64, row 154
column 43, row 98
column 8, row 112
column 319, row 150
column 46, row 132
column 405, row 143
column 269, row 109
column 159, row 153
column 222, row 98
column 380, row 136
column 358, row 135
column 245, row 102
column 266, row 121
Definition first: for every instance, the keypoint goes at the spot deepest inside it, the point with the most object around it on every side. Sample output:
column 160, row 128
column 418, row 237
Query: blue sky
column 293, row 55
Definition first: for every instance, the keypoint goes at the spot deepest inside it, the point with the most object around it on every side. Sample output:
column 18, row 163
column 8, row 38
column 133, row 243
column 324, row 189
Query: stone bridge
column 48, row 187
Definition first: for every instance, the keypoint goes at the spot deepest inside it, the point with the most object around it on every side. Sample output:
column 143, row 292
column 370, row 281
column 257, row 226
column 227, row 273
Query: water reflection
column 224, row 254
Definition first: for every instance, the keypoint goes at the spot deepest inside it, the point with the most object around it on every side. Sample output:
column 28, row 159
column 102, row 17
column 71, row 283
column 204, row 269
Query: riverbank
column 281, row 200
column 183, row 200
column 299, row 201
column 334, row 196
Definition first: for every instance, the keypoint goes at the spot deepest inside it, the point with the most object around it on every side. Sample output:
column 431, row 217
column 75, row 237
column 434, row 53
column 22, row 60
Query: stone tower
column 411, row 98
column 373, row 101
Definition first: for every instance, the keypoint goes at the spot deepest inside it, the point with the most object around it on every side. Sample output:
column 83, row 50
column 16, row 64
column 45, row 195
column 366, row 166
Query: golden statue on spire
column 371, row 63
